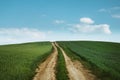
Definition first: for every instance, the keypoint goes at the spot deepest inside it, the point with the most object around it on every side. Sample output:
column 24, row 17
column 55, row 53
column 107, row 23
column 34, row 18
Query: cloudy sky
column 51, row 20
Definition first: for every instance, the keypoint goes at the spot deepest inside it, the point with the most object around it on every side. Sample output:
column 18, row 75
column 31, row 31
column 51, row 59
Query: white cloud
column 105, row 28
column 116, row 16
column 102, row 10
column 86, row 20
column 59, row 21
column 116, row 8
column 114, row 11
column 33, row 33
column 50, row 32
column 91, row 28
column 16, row 35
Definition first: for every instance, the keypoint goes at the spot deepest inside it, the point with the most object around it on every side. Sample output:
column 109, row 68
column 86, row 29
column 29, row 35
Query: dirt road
column 46, row 70
column 75, row 69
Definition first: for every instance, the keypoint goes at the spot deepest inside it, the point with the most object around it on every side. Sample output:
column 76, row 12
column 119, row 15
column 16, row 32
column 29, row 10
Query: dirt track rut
column 46, row 70
column 75, row 69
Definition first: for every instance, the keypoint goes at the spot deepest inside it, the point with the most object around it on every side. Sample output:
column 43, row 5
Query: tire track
column 75, row 69
column 46, row 71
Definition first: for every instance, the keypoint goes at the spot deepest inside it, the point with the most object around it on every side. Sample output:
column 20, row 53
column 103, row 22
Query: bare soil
column 76, row 70
column 46, row 70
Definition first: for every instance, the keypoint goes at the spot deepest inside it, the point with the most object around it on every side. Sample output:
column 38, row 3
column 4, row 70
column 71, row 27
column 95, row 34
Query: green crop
column 19, row 61
column 104, row 57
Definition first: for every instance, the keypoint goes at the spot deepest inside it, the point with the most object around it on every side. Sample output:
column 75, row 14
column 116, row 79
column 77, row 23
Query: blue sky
column 50, row 20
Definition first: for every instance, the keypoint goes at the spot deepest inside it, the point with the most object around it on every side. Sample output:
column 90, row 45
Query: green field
column 103, row 58
column 19, row 61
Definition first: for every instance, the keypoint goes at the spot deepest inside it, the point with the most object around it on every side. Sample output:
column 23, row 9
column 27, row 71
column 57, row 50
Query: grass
column 19, row 61
column 61, row 73
column 103, row 58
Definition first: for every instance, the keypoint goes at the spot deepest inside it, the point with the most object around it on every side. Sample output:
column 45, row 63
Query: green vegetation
column 103, row 58
column 19, row 61
column 61, row 73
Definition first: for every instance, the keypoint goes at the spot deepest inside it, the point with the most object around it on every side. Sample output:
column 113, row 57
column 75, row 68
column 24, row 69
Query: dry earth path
column 76, row 71
column 46, row 70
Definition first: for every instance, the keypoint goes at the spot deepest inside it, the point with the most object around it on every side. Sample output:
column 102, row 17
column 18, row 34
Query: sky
column 57, row 20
